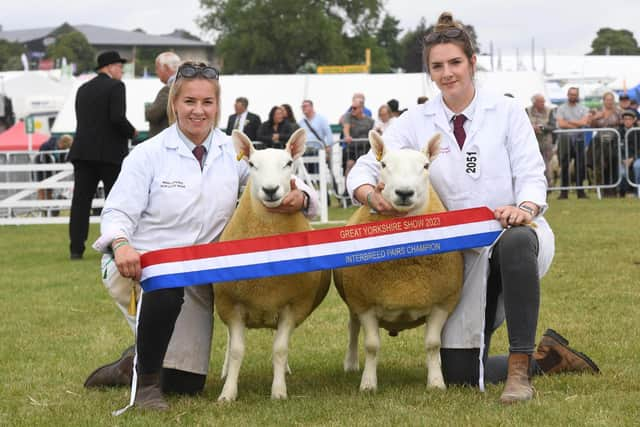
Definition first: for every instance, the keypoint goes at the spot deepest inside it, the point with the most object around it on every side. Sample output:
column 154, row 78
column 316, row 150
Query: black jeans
column 158, row 314
column 513, row 273
column 571, row 147
column 86, row 176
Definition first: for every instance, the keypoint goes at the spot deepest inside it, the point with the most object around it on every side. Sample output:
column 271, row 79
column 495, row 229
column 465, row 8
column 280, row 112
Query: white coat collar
column 172, row 141
column 434, row 108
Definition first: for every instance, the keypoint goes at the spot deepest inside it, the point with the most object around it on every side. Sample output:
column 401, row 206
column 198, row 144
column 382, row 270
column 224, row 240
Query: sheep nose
column 405, row 194
column 270, row 192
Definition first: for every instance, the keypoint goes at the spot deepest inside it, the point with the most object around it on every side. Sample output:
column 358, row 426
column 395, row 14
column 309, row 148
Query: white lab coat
column 158, row 199
column 162, row 199
column 508, row 170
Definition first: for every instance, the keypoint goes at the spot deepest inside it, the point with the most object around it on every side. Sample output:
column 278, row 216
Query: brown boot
column 554, row 356
column 518, row 387
column 114, row 374
column 149, row 393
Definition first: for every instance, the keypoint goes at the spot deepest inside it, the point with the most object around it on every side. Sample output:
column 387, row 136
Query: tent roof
column 16, row 139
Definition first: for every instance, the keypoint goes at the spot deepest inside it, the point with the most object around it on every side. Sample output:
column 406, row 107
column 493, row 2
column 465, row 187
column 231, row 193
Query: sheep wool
column 405, row 293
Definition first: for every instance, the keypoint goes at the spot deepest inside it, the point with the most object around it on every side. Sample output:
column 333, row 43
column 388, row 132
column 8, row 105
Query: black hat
column 629, row 113
column 624, row 96
column 108, row 58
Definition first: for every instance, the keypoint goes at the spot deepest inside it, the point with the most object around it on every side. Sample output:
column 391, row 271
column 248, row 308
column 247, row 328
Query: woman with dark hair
column 488, row 157
column 275, row 132
column 290, row 117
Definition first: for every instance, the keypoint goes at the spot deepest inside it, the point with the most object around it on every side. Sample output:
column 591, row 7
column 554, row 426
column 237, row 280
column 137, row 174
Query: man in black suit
column 100, row 143
column 243, row 120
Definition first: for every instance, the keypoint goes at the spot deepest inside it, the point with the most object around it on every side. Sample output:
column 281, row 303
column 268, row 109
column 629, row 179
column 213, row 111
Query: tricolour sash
column 319, row 249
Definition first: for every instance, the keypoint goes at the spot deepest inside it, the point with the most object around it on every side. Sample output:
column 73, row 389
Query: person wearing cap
column 624, row 102
column 630, row 166
column 100, row 144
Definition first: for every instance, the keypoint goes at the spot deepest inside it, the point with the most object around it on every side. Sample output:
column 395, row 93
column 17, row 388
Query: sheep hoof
column 436, row 385
column 279, row 395
column 368, row 387
column 351, row 366
column 227, row 398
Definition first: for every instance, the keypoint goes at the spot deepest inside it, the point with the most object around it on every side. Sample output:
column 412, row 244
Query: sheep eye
column 251, row 165
column 289, row 164
column 426, row 166
column 383, row 165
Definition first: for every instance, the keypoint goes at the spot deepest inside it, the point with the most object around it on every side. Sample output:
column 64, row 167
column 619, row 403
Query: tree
column 75, row 47
column 283, row 36
column 387, row 36
column 614, row 42
column 146, row 58
column 10, row 55
column 411, row 49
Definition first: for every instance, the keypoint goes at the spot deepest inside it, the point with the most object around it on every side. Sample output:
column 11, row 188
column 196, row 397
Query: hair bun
column 445, row 21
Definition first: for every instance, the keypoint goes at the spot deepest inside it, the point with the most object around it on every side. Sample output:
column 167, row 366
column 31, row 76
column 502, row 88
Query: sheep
column 405, row 293
column 281, row 302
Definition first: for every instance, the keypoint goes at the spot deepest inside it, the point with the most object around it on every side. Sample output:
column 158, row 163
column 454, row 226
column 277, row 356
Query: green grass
column 58, row 324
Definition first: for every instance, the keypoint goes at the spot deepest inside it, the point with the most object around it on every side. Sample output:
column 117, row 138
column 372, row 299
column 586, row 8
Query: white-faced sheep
column 403, row 293
column 280, row 302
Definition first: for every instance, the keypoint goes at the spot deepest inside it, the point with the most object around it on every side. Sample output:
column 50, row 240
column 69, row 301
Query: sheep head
column 405, row 173
column 270, row 169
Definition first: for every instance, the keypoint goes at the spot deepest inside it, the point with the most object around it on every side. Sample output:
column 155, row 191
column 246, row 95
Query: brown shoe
column 114, row 374
column 554, row 356
column 518, row 387
column 149, row 393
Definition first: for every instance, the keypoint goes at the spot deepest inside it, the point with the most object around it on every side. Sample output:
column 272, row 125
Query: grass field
column 58, row 324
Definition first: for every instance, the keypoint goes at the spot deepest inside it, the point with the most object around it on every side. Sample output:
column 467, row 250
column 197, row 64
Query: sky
column 563, row 27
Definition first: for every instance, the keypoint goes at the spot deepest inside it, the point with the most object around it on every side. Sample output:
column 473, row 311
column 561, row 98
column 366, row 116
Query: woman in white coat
column 488, row 157
column 180, row 188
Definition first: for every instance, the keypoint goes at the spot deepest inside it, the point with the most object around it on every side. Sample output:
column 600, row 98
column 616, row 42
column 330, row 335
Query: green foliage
column 618, row 42
column 387, row 36
column 10, row 55
column 283, row 36
column 74, row 46
column 58, row 324
column 411, row 49
column 146, row 58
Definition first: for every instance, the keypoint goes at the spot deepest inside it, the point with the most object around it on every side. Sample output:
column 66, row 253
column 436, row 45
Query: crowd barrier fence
column 592, row 158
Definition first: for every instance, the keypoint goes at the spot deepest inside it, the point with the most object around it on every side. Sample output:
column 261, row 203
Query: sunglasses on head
column 440, row 36
column 189, row 70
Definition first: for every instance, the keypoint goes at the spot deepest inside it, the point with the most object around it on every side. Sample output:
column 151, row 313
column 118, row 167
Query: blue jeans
column 636, row 170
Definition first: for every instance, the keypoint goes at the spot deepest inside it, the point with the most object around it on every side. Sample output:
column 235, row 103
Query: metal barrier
column 350, row 152
column 630, row 166
column 589, row 154
column 34, row 192
column 22, row 178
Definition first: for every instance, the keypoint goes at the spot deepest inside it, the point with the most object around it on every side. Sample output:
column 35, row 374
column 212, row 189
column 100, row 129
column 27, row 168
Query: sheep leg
column 280, row 353
column 369, row 323
column 351, row 358
column 432, row 342
column 225, row 365
column 236, row 354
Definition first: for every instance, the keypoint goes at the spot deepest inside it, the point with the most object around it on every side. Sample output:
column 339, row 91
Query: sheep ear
column 377, row 144
column 432, row 148
column 242, row 144
column 297, row 143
